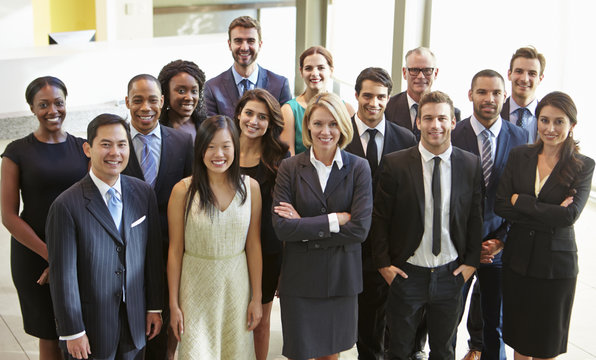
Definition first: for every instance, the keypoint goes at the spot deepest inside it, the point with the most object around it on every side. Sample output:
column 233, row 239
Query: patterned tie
column 148, row 160
column 115, row 207
column 415, row 129
column 487, row 156
column 436, row 190
column 244, row 85
column 372, row 151
column 523, row 114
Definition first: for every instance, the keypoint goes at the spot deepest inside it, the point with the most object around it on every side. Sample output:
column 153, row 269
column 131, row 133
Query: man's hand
column 390, row 272
column 490, row 248
column 79, row 348
column 153, row 325
column 465, row 270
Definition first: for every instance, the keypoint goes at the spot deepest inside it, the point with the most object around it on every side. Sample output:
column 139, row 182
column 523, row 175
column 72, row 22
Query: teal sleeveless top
column 298, row 112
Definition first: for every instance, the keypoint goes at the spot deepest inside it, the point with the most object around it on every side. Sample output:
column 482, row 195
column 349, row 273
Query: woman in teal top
column 316, row 68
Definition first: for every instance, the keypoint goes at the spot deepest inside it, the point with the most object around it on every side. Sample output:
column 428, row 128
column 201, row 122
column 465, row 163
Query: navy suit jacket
column 510, row 136
column 175, row 164
column 396, row 138
column 327, row 264
column 541, row 241
column 398, row 111
column 398, row 213
column 505, row 111
column 93, row 265
column 221, row 92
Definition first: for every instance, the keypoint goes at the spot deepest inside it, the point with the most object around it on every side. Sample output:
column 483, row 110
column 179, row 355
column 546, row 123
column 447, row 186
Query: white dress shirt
column 365, row 136
column 323, row 172
column 411, row 103
column 155, row 146
column 494, row 131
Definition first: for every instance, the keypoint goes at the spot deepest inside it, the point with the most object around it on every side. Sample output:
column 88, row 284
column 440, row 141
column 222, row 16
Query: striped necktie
column 148, row 160
column 486, row 156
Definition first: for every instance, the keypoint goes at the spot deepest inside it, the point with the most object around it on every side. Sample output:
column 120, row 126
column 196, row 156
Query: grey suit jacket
column 326, row 264
column 93, row 265
column 221, row 93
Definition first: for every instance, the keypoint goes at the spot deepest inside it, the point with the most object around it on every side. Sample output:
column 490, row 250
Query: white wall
column 16, row 24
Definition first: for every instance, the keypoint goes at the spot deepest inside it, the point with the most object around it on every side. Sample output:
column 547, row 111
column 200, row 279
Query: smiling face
column 553, row 126
column 109, row 152
column 435, row 123
column 254, row 119
column 220, row 152
column 324, row 131
column 525, row 78
column 419, row 84
column 487, row 95
column 49, row 108
column 144, row 101
column 184, row 95
column 244, row 43
column 372, row 100
column 316, row 72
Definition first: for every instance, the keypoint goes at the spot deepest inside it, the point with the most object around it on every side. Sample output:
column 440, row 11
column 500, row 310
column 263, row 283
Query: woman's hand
column 254, row 314
column 287, row 211
column 568, row 201
column 44, row 278
column 177, row 322
column 514, row 199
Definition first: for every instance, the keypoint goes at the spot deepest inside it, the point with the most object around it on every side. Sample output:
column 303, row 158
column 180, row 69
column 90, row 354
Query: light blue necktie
column 486, row 156
column 115, row 207
column 148, row 161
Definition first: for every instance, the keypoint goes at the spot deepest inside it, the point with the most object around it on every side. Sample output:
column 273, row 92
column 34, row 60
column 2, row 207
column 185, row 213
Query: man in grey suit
column 105, row 254
column 223, row 91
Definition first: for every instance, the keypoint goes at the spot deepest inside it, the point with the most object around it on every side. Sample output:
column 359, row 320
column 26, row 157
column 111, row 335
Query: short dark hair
column 374, row 74
column 143, row 77
column 245, row 22
column 39, row 83
column 489, row 74
column 436, row 97
column 528, row 52
column 102, row 120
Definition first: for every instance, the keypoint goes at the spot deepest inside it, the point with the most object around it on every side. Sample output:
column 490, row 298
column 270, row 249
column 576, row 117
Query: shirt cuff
column 333, row 223
column 154, row 311
column 72, row 337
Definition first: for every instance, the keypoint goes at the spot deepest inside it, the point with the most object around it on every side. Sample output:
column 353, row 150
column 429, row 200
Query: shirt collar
column 410, row 101
column 156, row 132
column 103, row 187
column 362, row 127
column 479, row 128
column 428, row 156
column 336, row 158
column 514, row 106
column 252, row 78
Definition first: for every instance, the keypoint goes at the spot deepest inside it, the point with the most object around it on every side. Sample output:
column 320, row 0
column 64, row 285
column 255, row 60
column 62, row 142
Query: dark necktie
column 372, row 151
column 436, row 190
column 523, row 115
column 486, row 156
column 244, row 86
column 415, row 129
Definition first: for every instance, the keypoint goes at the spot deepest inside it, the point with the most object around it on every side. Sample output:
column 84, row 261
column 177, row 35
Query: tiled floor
column 16, row 345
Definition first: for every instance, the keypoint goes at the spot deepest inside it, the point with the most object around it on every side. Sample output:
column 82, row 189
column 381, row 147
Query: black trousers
column 438, row 292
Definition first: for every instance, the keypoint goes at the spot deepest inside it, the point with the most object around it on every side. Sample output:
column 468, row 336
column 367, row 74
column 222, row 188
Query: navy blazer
column 398, row 213
column 398, row 111
column 505, row 112
column 510, row 136
column 221, row 92
column 175, row 163
column 541, row 241
column 317, row 262
column 91, row 263
column 396, row 138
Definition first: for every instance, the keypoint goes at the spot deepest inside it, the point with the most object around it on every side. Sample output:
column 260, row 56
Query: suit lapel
column 405, row 118
column 231, row 88
column 417, row 178
column 503, row 148
column 98, row 209
column 134, row 168
column 163, row 163
column 470, row 138
column 262, row 80
column 458, row 167
column 308, row 173
column 355, row 146
column 551, row 182
column 389, row 140
column 129, row 206
column 337, row 175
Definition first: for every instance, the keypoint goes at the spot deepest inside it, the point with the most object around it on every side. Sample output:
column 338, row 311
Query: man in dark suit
column 426, row 230
column 420, row 72
column 161, row 157
column 223, row 91
column 488, row 136
column 526, row 71
column 105, row 253
column 378, row 137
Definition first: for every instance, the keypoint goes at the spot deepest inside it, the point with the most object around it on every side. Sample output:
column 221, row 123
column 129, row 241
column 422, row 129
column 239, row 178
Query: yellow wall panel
column 41, row 21
column 72, row 15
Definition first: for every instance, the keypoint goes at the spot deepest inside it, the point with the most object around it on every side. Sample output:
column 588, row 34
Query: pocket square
column 138, row 221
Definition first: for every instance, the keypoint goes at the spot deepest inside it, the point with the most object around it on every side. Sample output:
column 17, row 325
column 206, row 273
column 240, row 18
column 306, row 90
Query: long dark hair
column 570, row 164
column 199, row 182
column 274, row 149
column 166, row 74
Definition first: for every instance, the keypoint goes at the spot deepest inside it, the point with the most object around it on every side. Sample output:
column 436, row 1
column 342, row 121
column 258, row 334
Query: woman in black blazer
column 542, row 192
column 322, row 211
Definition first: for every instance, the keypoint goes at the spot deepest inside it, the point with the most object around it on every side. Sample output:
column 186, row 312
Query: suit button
column 317, row 246
column 532, row 233
column 323, row 210
column 118, row 273
column 321, row 234
column 119, row 248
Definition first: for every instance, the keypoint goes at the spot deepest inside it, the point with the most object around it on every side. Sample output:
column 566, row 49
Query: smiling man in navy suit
column 105, row 254
column 223, row 91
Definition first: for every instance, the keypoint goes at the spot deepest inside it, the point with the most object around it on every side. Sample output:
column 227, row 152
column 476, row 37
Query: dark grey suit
column 221, row 92
column 91, row 263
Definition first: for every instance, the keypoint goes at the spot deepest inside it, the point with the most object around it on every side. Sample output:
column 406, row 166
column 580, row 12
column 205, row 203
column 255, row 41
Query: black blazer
column 541, row 241
column 175, row 164
column 91, row 262
column 326, row 264
column 396, row 138
column 398, row 111
column 398, row 213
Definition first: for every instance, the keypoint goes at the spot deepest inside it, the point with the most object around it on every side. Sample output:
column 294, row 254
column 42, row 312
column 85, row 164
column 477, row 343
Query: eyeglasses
column 416, row 71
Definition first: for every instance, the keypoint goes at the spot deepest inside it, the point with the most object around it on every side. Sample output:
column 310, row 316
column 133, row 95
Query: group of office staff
column 181, row 224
